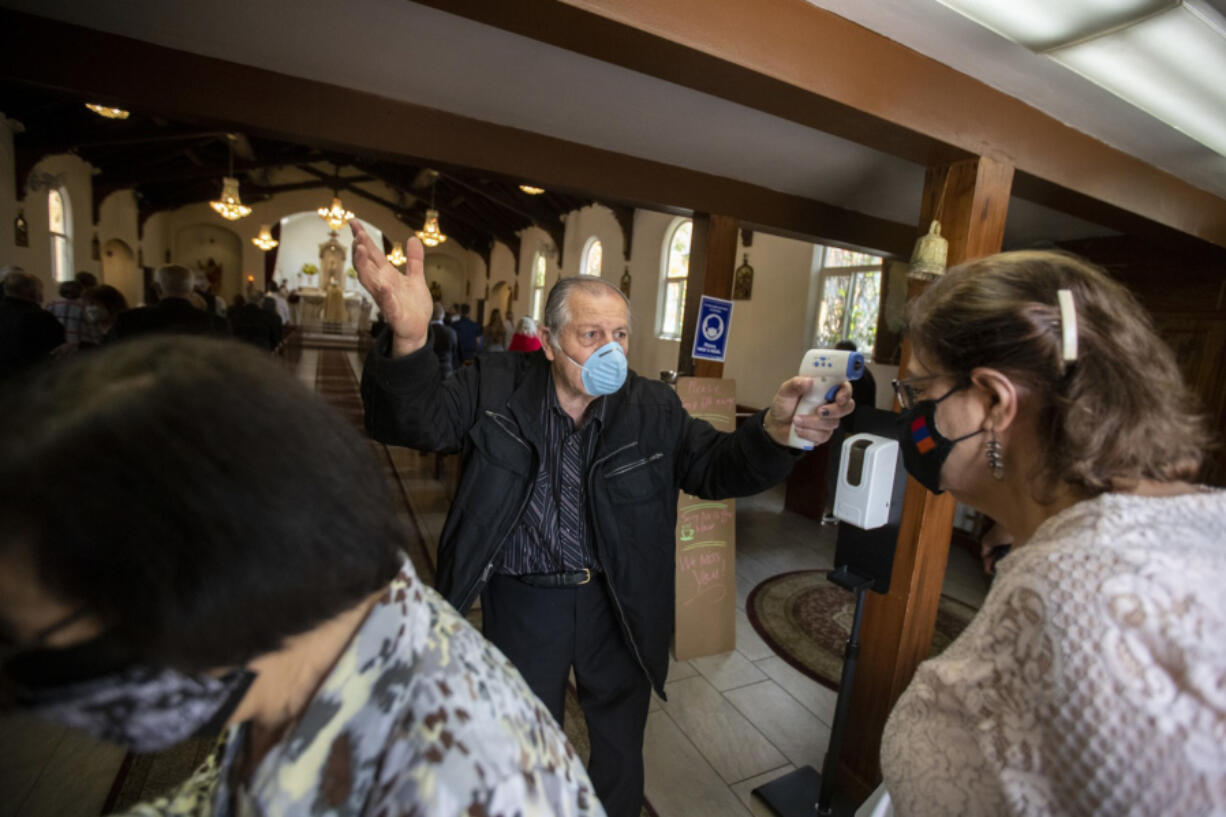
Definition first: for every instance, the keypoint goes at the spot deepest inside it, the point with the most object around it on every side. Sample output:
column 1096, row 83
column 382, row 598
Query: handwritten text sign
column 706, row 540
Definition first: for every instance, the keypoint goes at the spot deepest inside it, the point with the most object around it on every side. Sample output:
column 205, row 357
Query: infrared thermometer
column 828, row 368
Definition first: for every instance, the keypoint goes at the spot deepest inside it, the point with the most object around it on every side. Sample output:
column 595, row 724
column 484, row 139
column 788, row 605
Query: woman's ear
column 1001, row 397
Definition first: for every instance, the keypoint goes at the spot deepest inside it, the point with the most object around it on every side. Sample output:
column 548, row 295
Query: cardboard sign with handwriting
column 706, row 540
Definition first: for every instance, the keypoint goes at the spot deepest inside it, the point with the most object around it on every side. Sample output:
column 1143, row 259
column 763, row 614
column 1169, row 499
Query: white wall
column 301, row 236
column 70, row 172
column 594, row 221
column 117, row 222
column 199, row 245
column 448, row 271
column 503, row 269
column 532, row 240
column 648, row 354
column 768, row 335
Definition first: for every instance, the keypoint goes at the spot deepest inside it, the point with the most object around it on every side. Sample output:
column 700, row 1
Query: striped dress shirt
column 553, row 535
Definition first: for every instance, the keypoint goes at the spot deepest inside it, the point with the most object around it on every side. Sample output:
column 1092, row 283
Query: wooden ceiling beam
column 797, row 61
column 534, row 215
column 151, row 77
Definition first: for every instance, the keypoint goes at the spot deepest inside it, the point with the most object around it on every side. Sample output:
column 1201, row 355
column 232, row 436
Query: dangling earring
column 996, row 460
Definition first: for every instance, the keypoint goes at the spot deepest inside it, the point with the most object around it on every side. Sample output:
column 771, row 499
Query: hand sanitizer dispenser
column 866, row 480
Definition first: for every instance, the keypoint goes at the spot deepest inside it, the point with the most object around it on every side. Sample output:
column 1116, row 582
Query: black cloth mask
column 924, row 449
column 144, row 708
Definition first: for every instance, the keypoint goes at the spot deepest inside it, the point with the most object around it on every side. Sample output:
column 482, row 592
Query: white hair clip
column 1068, row 325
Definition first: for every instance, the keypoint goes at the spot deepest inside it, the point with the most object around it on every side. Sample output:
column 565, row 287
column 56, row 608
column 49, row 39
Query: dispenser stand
column 804, row 792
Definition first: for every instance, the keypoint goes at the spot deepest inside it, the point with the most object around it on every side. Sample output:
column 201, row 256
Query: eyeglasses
column 907, row 395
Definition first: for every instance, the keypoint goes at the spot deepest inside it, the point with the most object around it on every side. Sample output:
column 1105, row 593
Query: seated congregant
column 174, row 312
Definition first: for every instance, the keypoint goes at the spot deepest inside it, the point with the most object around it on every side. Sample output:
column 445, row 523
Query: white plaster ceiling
column 948, row 37
column 409, row 52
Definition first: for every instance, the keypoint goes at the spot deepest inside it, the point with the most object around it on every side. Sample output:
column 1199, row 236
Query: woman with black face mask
column 231, row 564
column 1091, row 681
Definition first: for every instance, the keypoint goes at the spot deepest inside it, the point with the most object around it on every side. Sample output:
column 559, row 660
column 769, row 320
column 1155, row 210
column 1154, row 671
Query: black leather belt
column 572, row 579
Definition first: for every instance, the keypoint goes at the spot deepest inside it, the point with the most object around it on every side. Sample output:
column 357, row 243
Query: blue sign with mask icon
column 714, row 318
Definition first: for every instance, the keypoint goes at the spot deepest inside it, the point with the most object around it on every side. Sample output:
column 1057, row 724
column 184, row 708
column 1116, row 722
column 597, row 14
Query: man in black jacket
column 564, row 516
column 28, row 333
column 173, row 313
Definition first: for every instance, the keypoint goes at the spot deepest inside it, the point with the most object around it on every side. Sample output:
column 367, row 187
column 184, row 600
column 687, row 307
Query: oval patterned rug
column 806, row 620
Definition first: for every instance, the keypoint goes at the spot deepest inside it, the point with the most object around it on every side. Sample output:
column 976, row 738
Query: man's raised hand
column 404, row 299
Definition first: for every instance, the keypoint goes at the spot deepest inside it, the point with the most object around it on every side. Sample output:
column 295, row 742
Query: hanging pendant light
column 430, row 234
column 107, row 112
column 230, row 206
column 397, row 257
column 336, row 215
column 264, row 240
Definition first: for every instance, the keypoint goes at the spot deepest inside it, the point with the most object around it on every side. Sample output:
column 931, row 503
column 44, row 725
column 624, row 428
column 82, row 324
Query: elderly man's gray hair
column 175, row 281
column 557, row 307
column 20, row 284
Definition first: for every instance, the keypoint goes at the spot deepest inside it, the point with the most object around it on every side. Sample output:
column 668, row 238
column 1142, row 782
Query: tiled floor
column 736, row 721
column 731, row 723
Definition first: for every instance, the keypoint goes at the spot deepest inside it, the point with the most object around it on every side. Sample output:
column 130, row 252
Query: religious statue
column 332, row 268
column 436, row 291
column 625, row 283
column 742, row 281
column 21, row 230
column 212, row 273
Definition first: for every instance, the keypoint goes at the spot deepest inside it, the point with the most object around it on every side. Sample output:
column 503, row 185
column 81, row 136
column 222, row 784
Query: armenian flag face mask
column 924, row 449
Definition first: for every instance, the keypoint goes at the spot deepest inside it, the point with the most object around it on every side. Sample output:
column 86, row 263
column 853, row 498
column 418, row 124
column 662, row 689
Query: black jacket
column 648, row 449
column 169, row 315
column 28, row 333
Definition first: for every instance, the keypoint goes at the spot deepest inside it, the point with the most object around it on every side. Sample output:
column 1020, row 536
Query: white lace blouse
column 1093, row 681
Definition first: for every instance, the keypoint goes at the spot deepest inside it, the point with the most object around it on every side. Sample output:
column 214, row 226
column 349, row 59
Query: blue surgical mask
column 604, row 371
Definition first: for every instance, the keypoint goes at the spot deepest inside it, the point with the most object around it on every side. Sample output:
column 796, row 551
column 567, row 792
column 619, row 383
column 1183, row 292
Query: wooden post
column 970, row 198
column 712, row 263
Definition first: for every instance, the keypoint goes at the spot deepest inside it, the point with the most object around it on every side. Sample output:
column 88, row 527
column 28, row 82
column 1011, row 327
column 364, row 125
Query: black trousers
column 547, row 631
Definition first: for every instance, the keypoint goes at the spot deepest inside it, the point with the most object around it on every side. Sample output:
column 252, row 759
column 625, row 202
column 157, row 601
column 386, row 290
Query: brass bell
column 930, row 254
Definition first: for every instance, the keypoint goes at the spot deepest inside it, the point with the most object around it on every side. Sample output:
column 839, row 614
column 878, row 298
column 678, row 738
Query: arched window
column 538, row 287
column 59, row 218
column 589, row 263
column 674, row 270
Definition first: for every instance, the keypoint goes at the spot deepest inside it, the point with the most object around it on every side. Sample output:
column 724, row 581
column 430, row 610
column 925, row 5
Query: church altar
column 309, row 313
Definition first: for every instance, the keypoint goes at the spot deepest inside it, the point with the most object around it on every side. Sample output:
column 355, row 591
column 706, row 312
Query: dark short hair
column 87, row 279
column 20, row 284
column 205, row 530
column 464, row 309
column 70, row 290
column 845, row 346
column 107, row 297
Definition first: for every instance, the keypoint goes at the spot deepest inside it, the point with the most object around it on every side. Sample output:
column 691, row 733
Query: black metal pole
column 850, row 654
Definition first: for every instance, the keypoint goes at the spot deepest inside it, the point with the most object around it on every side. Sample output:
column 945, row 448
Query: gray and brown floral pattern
column 419, row 716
